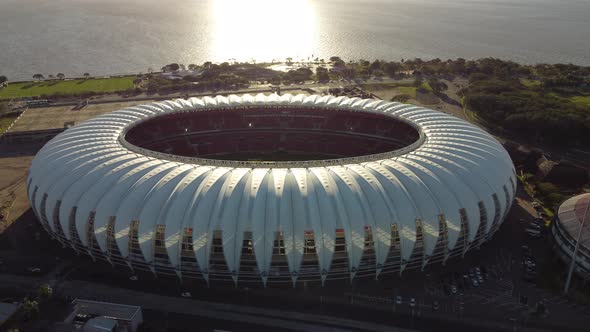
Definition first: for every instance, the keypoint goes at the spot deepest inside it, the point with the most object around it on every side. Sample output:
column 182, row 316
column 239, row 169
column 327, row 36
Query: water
column 123, row 36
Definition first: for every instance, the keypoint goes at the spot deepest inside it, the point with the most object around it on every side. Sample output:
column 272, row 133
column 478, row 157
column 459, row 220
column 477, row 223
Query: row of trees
column 532, row 111
column 547, row 74
column 59, row 76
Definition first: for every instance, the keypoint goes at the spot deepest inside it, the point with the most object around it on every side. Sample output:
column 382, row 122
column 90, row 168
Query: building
column 569, row 225
column 270, row 189
column 91, row 316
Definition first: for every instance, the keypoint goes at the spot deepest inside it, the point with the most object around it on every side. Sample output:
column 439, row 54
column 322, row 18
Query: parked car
column 186, row 294
column 533, row 232
column 398, row 300
column 412, row 302
column 435, row 305
column 453, row 289
column 534, row 225
column 33, row 269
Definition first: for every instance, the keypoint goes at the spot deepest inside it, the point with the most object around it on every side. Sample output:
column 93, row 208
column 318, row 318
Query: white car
column 133, row 278
column 186, row 294
column 398, row 300
column 412, row 302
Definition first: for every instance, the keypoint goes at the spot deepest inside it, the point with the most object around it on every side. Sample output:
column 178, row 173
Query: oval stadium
column 272, row 189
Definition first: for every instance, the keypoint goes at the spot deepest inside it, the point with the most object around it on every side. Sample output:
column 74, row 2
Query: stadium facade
column 272, row 188
column 572, row 225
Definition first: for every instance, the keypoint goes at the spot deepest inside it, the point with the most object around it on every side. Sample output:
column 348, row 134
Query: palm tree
column 61, row 76
column 38, row 77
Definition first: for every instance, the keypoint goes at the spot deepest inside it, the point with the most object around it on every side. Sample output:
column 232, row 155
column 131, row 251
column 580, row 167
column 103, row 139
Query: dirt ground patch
column 13, row 188
column 58, row 117
column 450, row 104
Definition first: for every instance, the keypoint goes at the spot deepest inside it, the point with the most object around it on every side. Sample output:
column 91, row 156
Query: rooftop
column 106, row 309
column 571, row 215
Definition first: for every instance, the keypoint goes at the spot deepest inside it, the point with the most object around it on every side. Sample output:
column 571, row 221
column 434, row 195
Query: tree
column 31, row 308
column 335, row 59
column 418, row 81
column 87, row 75
column 45, row 291
column 289, row 60
column 401, row 98
column 322, row 74
column 61, row 76
column 390, row 68
column 51, row 76
column 38, row 77
column 193, row 67
column 3, row 79
column 436, row 85
column 171, row 67
column 376, row 65
column 476, row 77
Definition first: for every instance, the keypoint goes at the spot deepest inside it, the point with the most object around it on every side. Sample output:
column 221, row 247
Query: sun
column 263, row 30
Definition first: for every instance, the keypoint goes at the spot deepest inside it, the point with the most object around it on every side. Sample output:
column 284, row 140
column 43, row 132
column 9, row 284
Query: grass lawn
column 381, row 86
column 31, row 89
column 581, row 100
column 5, row 122
column 408, row 90
column 530, row 83
column 426, row 86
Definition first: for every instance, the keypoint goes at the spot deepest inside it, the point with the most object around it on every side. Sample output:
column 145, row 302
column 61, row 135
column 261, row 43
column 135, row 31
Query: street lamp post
column 575, row 254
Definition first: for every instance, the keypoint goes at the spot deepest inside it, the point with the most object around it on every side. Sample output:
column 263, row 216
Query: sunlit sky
column 253, row 29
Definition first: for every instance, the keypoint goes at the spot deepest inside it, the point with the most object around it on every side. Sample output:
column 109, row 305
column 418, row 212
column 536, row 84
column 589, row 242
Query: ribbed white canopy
column 87, row 170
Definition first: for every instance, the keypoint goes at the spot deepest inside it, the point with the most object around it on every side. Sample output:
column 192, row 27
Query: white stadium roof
column 88, row 170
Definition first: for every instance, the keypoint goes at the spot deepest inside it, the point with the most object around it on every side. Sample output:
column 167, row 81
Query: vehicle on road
column 533, row 232
column 435, row 306
column 133, row 278
column 186, row 294
column 534, row 225
column 398, row 300
column 33, row 269
column 412, row 302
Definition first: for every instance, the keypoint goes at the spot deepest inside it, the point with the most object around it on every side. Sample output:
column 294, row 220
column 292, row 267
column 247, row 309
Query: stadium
column 571, row 229
column 272, row 189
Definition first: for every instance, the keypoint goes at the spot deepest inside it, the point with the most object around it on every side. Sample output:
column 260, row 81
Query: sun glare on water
column 263, row 30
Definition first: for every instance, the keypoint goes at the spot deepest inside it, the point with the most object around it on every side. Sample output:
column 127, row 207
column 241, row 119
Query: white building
column 568, row 225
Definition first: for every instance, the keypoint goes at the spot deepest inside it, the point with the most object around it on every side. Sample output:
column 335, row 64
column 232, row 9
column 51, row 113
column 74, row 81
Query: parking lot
column 509, row 265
